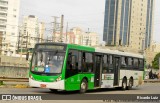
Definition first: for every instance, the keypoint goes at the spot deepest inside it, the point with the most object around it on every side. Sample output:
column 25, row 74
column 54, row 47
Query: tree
column 155, row 62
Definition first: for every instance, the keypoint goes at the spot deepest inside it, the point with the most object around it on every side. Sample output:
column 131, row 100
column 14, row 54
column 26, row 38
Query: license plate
column 43, row 85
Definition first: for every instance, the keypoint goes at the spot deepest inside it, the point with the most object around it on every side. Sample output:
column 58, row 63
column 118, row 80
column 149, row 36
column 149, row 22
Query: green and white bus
column 70, row 67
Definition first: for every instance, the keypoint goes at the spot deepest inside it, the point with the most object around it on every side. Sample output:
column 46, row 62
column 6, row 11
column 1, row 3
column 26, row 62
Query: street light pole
column 61, row 28
column 21, row 45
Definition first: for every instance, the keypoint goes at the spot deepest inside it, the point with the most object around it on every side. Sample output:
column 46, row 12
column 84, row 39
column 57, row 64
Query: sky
column 86, row 14
column 156, row 25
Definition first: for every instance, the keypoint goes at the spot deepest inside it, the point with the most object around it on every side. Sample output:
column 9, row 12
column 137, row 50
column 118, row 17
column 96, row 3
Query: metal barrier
column 13, row 79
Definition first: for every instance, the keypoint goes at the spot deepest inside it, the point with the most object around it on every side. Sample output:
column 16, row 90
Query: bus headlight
column 31, row 77
column 58, row 79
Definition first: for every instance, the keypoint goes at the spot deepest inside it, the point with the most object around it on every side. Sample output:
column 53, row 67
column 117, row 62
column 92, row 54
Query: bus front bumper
column 50, row 85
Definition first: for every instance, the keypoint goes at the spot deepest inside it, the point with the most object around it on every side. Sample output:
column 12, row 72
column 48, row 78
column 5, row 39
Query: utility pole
column 27, row 43
column 61, row 28
column 21, row 44
column 47, row 38
column 66, row 31
column 87, row 41
column 54, row 27
column 39, row 40
column 18, row 41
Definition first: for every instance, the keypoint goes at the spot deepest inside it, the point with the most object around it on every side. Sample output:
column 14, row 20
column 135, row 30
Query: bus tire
column 124, row 84
column 130, row 84
column 83, row 86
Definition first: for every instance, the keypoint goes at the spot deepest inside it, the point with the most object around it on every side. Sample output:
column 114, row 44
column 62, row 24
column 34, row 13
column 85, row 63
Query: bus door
column 116, row 70
column 98, row 70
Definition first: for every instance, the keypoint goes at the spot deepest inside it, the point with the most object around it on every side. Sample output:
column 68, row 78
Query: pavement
column 146, row 88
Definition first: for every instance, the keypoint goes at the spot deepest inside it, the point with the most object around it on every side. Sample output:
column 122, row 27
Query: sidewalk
column 152, row 81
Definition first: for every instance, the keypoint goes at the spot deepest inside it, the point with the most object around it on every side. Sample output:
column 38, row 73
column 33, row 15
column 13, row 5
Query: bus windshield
column 47, row 62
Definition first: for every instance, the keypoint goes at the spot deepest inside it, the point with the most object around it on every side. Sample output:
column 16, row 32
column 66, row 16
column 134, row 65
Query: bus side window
column 87, row 62
column 72, row 62
column 110, row 61
column 124, row 61
column 84, row 67
column 105, row 64
column 135, row 63
column 141, row 64
column 130, row 62
column 79, row 64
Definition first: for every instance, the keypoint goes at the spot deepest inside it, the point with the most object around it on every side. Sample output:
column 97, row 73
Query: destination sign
column 51, row 47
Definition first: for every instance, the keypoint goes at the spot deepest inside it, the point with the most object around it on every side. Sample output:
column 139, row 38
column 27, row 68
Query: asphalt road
column 147, row 88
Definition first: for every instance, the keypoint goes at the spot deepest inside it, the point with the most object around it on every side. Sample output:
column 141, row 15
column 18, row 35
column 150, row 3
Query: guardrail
column 8, row 79
column 13, row 64
column 152, row 81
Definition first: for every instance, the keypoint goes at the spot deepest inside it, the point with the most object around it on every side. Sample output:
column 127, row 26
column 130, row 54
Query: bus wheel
column 83, row 86
column 124, row 84
column 130, row 84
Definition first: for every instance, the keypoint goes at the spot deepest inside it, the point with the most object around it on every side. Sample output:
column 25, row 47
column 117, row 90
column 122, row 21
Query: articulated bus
column 69, row 67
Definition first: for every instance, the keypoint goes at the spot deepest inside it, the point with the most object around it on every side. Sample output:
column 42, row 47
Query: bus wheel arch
column 124, row 83
column 84, row 85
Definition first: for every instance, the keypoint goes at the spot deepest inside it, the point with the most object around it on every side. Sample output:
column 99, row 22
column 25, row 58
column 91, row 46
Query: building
column 41, row 31
column 94, row 39
column 90, row 39
column 31, row 32
column 9, row 18
column 57, row 37
column 129, row 23
column 69, row 37
column 77, row 36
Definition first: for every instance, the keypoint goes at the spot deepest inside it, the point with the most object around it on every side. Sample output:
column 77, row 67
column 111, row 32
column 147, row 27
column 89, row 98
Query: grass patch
column 21, row 86
column 1, row 83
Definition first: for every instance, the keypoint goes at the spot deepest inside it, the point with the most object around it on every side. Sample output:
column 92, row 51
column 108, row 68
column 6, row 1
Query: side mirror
column 27, row 56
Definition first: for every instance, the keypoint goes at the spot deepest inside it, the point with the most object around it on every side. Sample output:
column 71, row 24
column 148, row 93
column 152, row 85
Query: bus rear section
column 121, row 69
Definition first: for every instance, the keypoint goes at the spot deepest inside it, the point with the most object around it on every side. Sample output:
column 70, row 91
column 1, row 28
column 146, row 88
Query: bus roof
column 108, row 51
column 49, row 43
column 96, row 49
column 80, row 47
